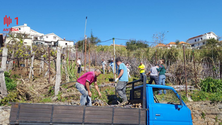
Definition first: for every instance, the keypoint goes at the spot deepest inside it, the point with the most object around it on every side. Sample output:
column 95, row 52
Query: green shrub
column 11, row 97
column 215, row 97
column 211, row 85
column 199, row 96
column 44, row 100
column 10, row 84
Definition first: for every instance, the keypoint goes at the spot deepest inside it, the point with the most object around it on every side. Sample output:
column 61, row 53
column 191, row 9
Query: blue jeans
column 85, row 99
column 162, row 82
column 141, row 75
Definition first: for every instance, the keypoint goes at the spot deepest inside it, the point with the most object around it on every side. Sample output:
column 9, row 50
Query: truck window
column 169, row 98
column 137, row 94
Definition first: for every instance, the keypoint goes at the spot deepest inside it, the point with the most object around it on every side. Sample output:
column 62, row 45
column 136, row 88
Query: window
column 195, row 40
column 203, row 43
column 198, row 39
column 168, row 98
column 19, row 28
column 201, row 38
column 54, row 37
column 192, row 45
column 46, row 36
column 25, row 42
column 65, row 43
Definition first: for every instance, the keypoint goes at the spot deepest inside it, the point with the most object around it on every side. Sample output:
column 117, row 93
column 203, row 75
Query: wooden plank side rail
column 67, row 114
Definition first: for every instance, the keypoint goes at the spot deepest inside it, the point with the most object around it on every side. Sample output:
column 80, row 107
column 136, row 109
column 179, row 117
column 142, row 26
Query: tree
column 159, row 37
column 212, row 42
column 133, row 44
column 177, row 42
column 92, row 41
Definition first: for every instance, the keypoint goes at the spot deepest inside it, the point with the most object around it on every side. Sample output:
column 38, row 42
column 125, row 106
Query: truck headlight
column 192, row 116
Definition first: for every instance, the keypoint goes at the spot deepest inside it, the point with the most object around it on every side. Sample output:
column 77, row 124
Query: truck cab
column 163, row 109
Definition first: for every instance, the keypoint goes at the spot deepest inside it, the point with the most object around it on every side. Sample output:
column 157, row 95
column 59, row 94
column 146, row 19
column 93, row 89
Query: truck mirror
column 181, row 103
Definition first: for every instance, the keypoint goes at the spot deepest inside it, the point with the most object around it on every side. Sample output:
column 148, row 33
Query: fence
column 29, row 63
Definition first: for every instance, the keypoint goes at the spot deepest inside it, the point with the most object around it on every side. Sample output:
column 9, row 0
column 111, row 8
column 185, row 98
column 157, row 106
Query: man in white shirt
column 79, row 65
column 104, row 66
column 153, row 75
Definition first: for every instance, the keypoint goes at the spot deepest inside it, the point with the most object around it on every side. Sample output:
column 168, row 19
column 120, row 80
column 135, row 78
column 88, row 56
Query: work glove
column 116, row 79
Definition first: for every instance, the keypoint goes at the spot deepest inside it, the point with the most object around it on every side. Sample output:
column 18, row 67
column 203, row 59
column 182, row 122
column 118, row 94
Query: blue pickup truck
column 157, row 109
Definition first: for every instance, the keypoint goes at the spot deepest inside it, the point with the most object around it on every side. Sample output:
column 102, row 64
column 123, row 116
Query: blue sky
column 126, row 19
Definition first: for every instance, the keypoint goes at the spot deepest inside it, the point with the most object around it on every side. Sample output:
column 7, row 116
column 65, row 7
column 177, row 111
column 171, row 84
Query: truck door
column 166, row 109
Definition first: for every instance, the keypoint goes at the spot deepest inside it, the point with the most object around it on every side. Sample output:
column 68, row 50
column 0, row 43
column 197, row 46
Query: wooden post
column 85, row 56
column 3, row 89
column 49, row 64
column 31, row 72
column 10, row 66
column 41, row 65
column 58, row 72
column 195, row 73
column 76, row 61
column 4, row 58
column 89, row 54
column 114, row 59
column 185, row 69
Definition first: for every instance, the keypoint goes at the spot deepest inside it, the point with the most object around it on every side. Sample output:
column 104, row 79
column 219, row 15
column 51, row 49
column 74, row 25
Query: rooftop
column 160, row 45
column 182, row 42
column 200, row 35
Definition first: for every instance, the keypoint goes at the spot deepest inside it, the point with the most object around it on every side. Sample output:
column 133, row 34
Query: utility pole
column 49, row 63
column 89, row 53
column 114, row 59
column 76, row 59
column 85, row 55
column 85, row 46
column 195, row 73
column 185, row 69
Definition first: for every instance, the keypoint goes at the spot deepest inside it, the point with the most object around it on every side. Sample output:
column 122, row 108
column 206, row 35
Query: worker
column 153, row 74
column 111, row 64
column 79, row 65
column 162, row 70
column 123, row 79
column 128, row 69
column 141, row 69
column 104, row 66
column 83, row 85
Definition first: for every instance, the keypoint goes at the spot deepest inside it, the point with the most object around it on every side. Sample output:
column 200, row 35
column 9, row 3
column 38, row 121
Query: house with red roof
column 171, row 44
column 200, row 40
column 160, row 45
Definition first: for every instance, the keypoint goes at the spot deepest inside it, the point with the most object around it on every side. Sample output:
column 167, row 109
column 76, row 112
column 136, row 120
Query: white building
column 24, row 29
column 35, row 37
column 171, row 44
column 201, row 40
column 50, row 37
column 64, row 43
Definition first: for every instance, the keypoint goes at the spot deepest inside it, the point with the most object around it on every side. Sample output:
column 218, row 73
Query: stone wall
column 4, row 115
column 205, row 113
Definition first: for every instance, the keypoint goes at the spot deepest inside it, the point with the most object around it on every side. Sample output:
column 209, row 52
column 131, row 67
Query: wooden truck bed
column 67, row 114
